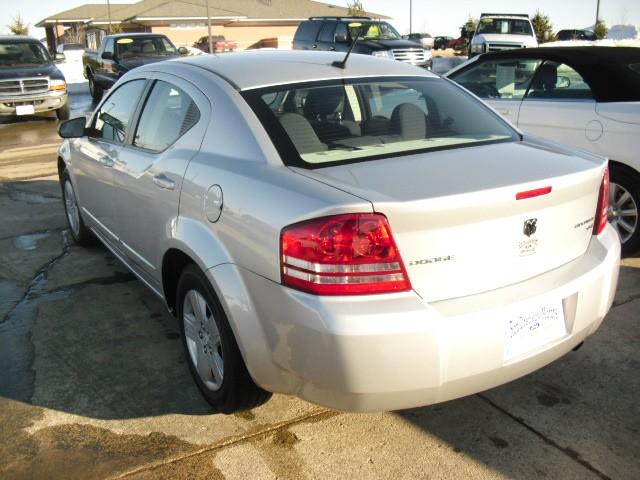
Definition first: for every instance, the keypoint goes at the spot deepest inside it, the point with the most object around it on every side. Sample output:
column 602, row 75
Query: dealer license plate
column 24, row 110
column 533, row 326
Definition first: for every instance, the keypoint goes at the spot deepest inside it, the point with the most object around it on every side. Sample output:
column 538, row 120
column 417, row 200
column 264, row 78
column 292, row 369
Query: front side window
column 376, row 31
column 22, row 54
column 167, row 115
column 114, row 117
column 108, row 47
column 357, row 120
column 558, row 81
column 504, row 25
column 503, row 79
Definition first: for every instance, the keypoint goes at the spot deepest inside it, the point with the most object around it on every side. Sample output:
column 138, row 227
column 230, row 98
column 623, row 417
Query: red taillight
column 347, row 254
column 602, row 211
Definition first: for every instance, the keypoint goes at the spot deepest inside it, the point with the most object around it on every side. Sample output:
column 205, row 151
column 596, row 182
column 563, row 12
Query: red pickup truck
column 219, row 43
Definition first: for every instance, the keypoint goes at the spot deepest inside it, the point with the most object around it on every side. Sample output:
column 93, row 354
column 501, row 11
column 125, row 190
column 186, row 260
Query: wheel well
column 624, row 166
column 173, row 264
column 61, row 166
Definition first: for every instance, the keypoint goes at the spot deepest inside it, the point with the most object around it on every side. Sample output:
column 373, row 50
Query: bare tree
column 76, row 34
column 18, row 27
column 356, row 9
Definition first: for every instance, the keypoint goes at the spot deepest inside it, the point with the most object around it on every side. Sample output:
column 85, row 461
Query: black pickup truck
column 123, row 52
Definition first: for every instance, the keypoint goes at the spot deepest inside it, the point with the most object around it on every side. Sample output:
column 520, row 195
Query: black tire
column 80, row 233
column 629, row 180
column 237, row 391
column 63, row 112
column 95, row 89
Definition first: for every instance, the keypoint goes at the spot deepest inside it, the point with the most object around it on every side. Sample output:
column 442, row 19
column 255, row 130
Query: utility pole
column 411, row 16
column 209, row 28
column 597, row 13
column 109, row 15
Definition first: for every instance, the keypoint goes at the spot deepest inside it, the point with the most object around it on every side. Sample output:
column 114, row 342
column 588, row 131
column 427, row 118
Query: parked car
column 441, row 43
column 219, row 43
column 367, row 238
column 72, row 51
column 423, row 39
column 497, row 31
column 29, row 81
column 121, row 53
column 576, row 35
column 377, row 38
column 586, row 97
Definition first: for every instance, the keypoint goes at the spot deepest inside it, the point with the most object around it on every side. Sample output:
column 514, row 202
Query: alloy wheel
column 71, row 207
column 623, row 211
column 203, row 340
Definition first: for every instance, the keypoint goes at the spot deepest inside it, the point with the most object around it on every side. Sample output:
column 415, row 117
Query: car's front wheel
column 79, row 231
column 624, row 200
column 212, row 353
column 95, row 89
column 63, row 112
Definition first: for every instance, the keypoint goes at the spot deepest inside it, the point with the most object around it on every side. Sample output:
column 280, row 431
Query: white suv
column 497, row 32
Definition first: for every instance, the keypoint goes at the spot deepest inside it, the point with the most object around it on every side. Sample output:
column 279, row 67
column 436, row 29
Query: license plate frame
column 529, row 327
column 27, row 109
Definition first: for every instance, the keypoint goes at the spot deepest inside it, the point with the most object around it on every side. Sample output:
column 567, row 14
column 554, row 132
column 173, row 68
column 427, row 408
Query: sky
column 428, row 15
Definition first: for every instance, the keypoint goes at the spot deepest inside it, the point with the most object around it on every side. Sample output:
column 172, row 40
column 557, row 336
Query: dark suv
column 377, row 38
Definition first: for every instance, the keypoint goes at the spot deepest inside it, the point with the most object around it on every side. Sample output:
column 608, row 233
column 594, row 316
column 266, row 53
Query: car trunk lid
column 456, row 220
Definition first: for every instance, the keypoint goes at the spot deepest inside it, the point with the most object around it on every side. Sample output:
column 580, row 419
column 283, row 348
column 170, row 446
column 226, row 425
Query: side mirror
column 183, row 51
column 60, row 57
column 341, row 39
column 563, row 82
column 74, row 128
column 107, row 55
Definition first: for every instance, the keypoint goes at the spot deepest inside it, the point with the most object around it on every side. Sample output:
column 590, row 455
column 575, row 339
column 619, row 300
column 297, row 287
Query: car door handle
column 164, row 182
column 314, row 46
column 333, row 49
column 106, row 161
column 503, row 111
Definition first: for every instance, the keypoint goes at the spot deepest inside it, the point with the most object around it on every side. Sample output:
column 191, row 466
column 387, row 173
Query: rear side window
column 504, row 79
column 167, row 115
column 558, row 81
column 307, row 31
column 326, row 33
column 113, row 119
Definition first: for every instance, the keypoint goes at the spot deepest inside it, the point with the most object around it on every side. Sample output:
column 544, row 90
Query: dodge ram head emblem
column 530, row 227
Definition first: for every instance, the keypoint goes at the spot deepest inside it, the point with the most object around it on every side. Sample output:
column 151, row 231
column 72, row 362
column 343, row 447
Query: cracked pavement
column 94, row 382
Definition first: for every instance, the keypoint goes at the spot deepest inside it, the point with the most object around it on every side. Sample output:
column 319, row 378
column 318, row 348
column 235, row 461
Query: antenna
column 343, row 63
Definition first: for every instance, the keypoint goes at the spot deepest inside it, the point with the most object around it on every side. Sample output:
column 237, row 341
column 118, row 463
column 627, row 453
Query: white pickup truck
column 497, row 31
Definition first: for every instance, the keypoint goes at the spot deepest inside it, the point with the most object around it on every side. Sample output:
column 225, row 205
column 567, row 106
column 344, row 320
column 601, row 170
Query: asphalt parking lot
column 94, row 383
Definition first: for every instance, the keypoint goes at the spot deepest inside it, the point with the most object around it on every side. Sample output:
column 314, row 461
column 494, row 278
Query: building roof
column 82, row 14
column 223, row 10
column 278, row 67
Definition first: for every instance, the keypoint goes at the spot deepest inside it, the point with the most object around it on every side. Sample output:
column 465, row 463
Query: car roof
column 605, row 69
column 254, row 69
column 137, row 34
column 19, row 38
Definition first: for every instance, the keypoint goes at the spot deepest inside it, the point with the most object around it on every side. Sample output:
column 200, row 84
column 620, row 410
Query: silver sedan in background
column 366, row 238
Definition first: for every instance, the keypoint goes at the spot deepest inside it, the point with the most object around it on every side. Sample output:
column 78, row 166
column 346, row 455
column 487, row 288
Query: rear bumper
column 41, row 103
column 395, row 351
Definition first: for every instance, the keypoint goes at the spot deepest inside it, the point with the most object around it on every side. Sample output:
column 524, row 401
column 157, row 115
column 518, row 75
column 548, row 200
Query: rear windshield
column 22, row 54
column 341, row 121
column 504, row 25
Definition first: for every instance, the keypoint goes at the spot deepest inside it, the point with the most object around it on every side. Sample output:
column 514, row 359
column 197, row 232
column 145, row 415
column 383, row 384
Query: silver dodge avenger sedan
column 370, row 237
